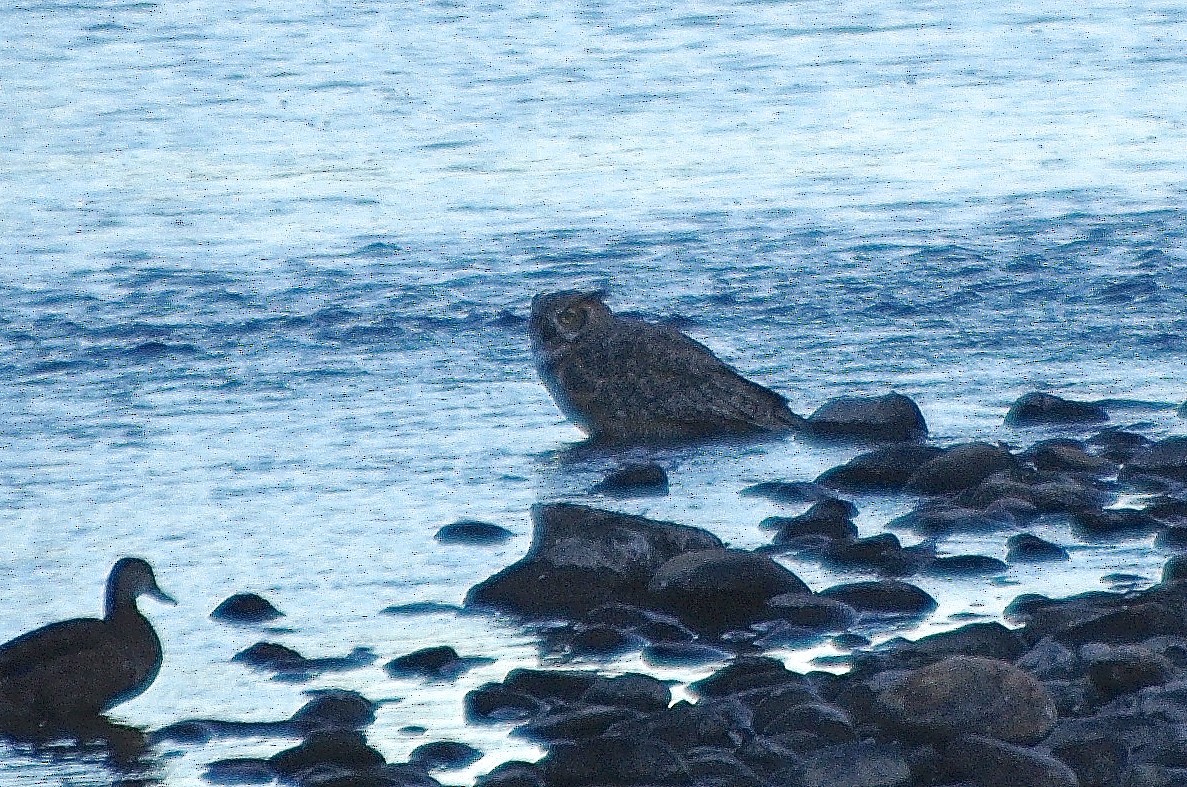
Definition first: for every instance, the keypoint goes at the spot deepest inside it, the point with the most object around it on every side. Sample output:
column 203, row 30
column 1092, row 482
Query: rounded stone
column 970, row 695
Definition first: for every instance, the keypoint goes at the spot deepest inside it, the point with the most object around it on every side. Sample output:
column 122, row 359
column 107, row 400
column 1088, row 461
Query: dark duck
column 61, row 677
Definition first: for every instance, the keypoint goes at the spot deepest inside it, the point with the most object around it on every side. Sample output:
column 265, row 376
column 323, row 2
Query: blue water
column 264, row 274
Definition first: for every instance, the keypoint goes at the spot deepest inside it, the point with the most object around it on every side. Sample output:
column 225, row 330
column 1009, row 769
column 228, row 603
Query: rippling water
column 265, row 274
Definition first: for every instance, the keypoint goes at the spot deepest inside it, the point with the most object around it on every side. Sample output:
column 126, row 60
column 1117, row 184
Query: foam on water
column 266, row 272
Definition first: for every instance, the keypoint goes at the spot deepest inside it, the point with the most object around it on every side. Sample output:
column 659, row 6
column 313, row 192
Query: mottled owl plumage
column 624, row 380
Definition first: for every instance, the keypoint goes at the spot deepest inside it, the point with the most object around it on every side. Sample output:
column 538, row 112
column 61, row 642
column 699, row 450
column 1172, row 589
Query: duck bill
column 162, row 596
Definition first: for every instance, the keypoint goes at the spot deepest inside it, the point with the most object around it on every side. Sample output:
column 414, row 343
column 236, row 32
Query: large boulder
column 1166, row 458
column 961, row 467
column 582, row 557
column 884, row 469
column 889, row 418
column 970, row 695
column 719, row 588
column 1044, row 408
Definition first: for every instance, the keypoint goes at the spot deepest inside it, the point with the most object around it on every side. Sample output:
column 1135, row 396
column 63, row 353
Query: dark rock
column 889, row 418
column 988, row 640
column 829, row 518
column 440, row 662
column 1097, row 762
column 420, row 608
column 1064, row 455
column 630, row 690
column 934, row 518
column 1042, row 408
column 550, row 685
column 686, row 726
column 993, row 763
column 788, row 491
column 811, row 612
column 712, row 589
column 829, row 722
column 634, row 480
column 1050, row 660
column 246, row 608
column 882, row 553
column 1166, row 458
column 648, row 623
column 514, row 773
column 240, row 770
column 1153, row 775
column 859, row 764
column 1114, row 523
column 1171, row 510
column 1029, row 548
column 1124, row 668
column 334, row 709
column 472, row 532
column 575, row 723
column 590, row 639
column 269, row 655
column 884, row 597
column 1056, row 496
column 884, row 469
column 1174, row 570
column 581, row 558
column 718, row 766
column 613, row 760
column 745, row 673
column 492, row 702
column 344, row 748
column 1182, row 411
column 969, row 695
column 960, row 467
column 1129, row 623
column 445, row 755
column 966, row 565
column 682, row 654
column 1117, row 445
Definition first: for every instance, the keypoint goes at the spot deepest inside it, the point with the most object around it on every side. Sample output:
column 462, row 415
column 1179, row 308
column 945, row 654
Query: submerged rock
column 889, row 418
column 246, row 608
column 788, row 491
column 634, row 480
column 830, row 518
column 1044, row 408
column 440, row 662
column 472, row 532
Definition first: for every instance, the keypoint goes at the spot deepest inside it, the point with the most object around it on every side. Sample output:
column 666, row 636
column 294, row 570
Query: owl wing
column 677, row 382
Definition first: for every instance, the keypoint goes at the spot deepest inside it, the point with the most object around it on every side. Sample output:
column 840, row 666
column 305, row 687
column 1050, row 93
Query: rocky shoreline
column 1089, row 690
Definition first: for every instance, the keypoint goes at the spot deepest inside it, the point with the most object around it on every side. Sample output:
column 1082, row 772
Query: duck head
column 130, row 578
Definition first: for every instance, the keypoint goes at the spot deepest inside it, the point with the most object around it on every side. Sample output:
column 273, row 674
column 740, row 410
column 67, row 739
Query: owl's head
column 562, row 317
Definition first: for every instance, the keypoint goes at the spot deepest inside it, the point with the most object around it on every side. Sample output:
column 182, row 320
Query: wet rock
column 830, row 518
column 1171, row 510
column 630, row 690
column 987, row 640
column 861, row 764
column 1174, row 570
column 1182, row 411
column 1117, row 445
column 514, row 773
column 550, row 685
column 712, row 589
column 934, row 518
column 884, row 469
column 590, row 639
column 647, row 623
column 1153, row 775
column 994, row 763
column 718, row 766
column 1066, row 455
column 492, row 702
column 270, row 655
column 966, row 566
column 440, row 662
column 1096, row 762
column 575, row 723
column 969, row 695
column 882, row 553
column 444, row 755
column 1052, row 496
column 1166, row 458
column 246, row 608
column 960, row 467
column 334, row 709
column 346, row 749
column 1122, row 669
column 811, row 612
column 581, row 558
column 1173, row 537
column 240, row 770
column 1029, row 548
column 613, row 760
column 682, row 654
column 743, row 674
column 883, row 597
column 788, row 491
column 1114, row 523
column 1043, row 408
column 634, row 480
column 473, row 533
column 889, row 418
column 829, row 723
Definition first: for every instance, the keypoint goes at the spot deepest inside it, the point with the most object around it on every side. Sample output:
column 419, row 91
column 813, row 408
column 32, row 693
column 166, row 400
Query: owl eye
column 571, row 319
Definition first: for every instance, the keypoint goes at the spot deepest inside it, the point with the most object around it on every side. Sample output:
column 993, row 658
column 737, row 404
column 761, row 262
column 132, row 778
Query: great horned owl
column 624, row 380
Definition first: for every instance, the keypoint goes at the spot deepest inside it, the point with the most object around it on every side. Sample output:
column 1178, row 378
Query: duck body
column 68, row 673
